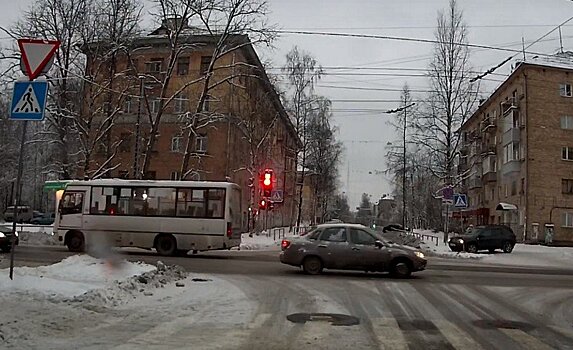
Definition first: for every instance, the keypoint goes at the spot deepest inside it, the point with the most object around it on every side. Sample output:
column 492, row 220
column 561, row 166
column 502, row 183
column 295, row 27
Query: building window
column 567, row 153
column 125, row 145
column 128, row 105
column 205, row 62
column 155, row 105
column 567, row 219
column 201, row 144
column 206, row 104
column 513, row 188
column 183, row 66
column 175, row 176
column 567, row 186
column 510, row 152
column 176, row 144
column 565, row 90
column 154, row 66
column 567, row 122
column 181, row 104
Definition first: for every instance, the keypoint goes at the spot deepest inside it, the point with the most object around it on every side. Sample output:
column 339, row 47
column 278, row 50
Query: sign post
column 29, row 103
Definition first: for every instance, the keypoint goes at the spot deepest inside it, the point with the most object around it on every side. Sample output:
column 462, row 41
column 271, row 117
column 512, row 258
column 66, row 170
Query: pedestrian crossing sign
column 460, row 200
column 29, row 100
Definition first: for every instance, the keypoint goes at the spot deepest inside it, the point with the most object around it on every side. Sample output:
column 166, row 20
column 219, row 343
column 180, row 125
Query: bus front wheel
column 75, row 242
column 166, row 245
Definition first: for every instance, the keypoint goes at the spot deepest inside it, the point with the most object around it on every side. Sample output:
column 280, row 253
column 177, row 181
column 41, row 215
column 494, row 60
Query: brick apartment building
column 517, row 153
column 221, row 149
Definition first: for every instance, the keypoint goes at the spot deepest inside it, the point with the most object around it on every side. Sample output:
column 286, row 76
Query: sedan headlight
column 461, row 241
column 419, row 255
column 2, row 235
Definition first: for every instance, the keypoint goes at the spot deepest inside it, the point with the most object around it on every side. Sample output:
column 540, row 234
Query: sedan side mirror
column 379, row 244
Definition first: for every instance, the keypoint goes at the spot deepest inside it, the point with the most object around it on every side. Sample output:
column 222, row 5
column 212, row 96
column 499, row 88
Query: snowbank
column 533, row 255
column 71, row 277
column 37, row 238
column 265, row 240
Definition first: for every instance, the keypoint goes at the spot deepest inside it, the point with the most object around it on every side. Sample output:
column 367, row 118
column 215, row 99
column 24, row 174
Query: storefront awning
column 506, row 206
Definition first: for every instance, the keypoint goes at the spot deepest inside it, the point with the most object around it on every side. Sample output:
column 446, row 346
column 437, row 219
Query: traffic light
column 267, row 182
column 263, row 203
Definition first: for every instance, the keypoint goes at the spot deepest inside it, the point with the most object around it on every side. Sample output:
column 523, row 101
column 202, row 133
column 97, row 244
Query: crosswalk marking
column 525, row 340
column 259, row 320
column 389, row 334
column 458, row 338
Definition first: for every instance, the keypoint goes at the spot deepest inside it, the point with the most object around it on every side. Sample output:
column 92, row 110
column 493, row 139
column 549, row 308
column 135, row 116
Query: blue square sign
column 29, row 100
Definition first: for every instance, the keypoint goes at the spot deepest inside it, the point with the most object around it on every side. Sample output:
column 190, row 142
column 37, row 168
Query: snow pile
column 265, row 240
column 533, row 255
column 71, row 277
column 401, row 238
column 442, row 250
column 121, row 292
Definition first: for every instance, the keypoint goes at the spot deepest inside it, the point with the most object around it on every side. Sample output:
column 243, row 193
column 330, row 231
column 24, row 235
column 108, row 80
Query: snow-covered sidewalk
column 83, row 302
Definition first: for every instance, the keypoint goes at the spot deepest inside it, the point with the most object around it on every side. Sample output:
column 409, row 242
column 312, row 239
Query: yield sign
column 36, row 54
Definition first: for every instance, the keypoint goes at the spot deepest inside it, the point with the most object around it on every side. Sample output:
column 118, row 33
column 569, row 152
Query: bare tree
column 324, row 153
column 116, row 24
column 453, row 98
column 302, row 71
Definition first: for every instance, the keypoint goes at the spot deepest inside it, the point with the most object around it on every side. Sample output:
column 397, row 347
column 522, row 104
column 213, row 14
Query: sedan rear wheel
column 312, row 265
column 507, row 247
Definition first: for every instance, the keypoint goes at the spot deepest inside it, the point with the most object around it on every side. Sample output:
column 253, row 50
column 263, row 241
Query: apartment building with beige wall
column 516, row 160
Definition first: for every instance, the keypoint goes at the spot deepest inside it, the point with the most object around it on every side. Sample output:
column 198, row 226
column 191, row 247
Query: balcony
column 510, row 136
column 474, row 183
column 508, row 105
column 487, row 149
column 513, row 166
column 490, row 176
column 489, row 125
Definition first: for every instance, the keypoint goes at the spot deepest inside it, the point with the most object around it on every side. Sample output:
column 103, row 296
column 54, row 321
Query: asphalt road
column 452, row 305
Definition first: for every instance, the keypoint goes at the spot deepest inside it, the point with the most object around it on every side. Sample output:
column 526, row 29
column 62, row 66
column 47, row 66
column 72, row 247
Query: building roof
column 562, row 61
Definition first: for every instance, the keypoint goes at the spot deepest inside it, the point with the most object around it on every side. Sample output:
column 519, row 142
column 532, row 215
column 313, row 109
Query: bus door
column 70, row 209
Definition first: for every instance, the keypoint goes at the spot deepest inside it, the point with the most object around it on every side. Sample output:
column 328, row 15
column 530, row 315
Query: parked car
column 45, row 219
column 349, row 247
column 25, row 213
column 488, row 237
column 6, row 239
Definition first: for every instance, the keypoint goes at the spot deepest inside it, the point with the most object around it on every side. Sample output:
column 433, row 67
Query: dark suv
column 489, row 237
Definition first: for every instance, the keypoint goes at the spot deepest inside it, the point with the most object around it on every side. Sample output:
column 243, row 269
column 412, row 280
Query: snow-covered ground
column 34, row 234
column 522, row 255
column 265, row 240
column 84, row 302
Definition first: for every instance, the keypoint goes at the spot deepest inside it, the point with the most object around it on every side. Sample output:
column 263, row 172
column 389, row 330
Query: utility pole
column 404, row 129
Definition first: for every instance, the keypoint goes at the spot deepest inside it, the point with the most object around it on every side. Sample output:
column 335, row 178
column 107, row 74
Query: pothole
column 333, row 319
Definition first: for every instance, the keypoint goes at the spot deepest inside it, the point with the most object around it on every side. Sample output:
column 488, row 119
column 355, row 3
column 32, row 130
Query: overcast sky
column 362, row 125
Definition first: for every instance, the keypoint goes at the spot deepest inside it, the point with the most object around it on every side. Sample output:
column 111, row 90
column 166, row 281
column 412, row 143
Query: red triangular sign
column 36, row 53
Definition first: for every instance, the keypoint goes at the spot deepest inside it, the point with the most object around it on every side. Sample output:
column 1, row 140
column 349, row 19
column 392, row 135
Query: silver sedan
column 349, row 247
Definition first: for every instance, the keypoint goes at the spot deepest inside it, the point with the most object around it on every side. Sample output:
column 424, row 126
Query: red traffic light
column 267, row 179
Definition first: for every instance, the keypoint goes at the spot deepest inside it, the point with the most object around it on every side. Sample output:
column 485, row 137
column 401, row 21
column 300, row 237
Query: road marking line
column 458, row 338
column 389, row 334
column 525, row 340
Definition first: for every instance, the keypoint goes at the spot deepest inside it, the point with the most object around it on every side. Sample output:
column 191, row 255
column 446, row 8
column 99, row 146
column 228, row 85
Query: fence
column 424, row 237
